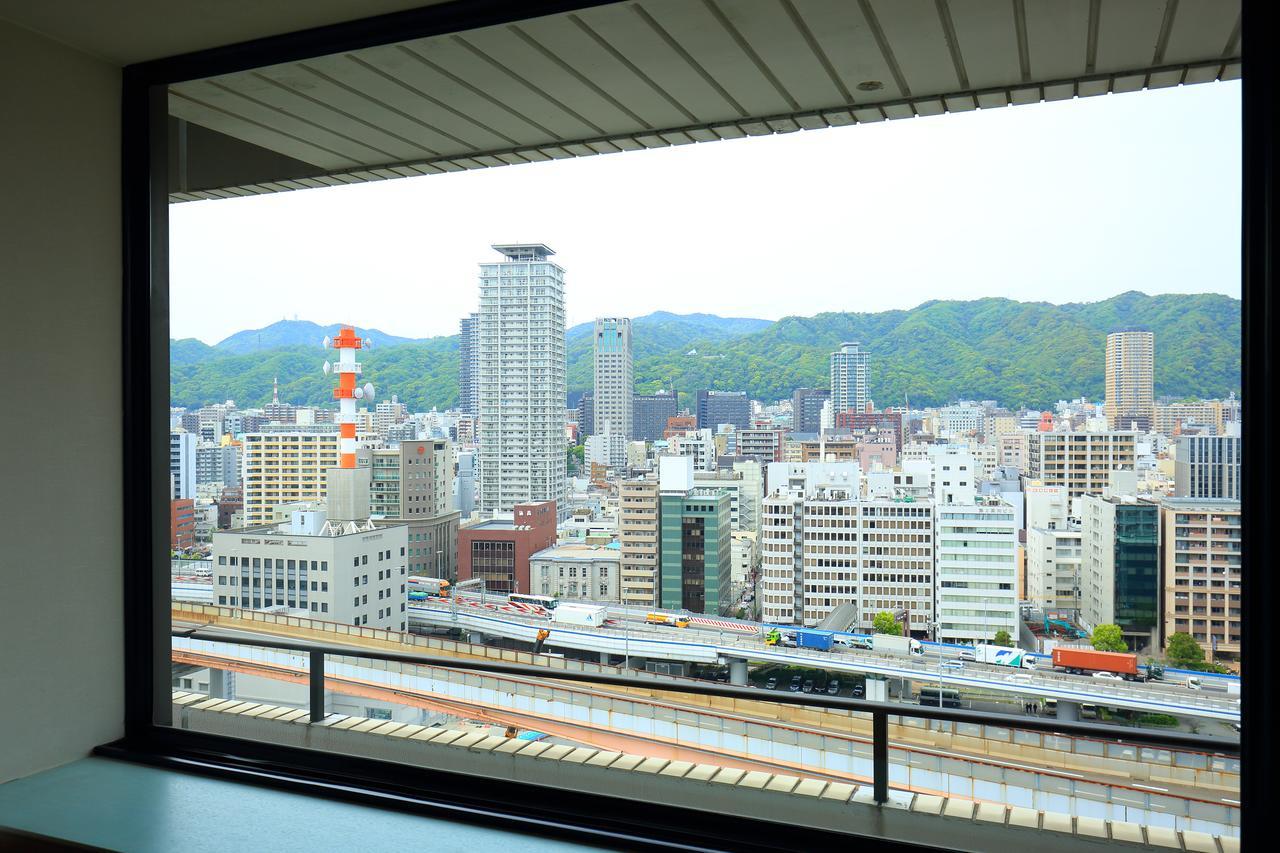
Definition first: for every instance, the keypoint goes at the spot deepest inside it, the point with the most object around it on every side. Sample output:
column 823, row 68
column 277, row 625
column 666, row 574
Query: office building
column 745, row 484
column 1130, row 401
column 1120, row 567
column 464, row 484
column 576, row 571
column 1053, row 569
column 806, row 409
column 650, row 413
column 498, row 549
column 714, row 408
column 849, row 378
column 1012, row 449
column 1207, row 466
column 413, row 484
column 822, row 546
column 614, row 384
column 976, row 571
column 1080, row 461
column 182, row 465
column 182, row 524
column 339, row 571
column 585, row 414
column 286, row 465
column 699, row 445
column 469, row 365
column 522, row 382
column 1201, row 560
column 638, row 537
column 695, row 542
column 762, row 445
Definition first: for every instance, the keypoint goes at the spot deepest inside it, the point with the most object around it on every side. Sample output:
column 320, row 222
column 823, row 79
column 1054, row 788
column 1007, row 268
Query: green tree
column 1107, row 638
column 1182, row 650
column 1003, row 638
column 884, row 623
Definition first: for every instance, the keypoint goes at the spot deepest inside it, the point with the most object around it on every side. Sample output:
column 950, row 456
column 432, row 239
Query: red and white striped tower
column 347, row 392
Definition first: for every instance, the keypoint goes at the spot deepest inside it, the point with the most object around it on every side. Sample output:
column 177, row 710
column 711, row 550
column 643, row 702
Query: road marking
column 1150, row 787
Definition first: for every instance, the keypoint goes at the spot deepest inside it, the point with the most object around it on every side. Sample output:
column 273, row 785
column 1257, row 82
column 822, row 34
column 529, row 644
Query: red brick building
column 182, row 524
column 679, row 425
column 498, row 550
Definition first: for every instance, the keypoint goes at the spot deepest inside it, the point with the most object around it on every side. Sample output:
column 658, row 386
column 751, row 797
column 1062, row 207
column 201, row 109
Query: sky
column 1072, row 201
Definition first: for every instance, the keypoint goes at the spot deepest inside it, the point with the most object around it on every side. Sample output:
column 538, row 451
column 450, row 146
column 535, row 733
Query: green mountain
column 1020, row 353
column 284, row 333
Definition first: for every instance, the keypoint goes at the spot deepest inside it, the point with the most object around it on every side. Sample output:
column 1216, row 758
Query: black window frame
column 525, row 807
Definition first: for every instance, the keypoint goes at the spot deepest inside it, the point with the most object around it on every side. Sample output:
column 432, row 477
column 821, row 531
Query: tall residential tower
column 614, row 386
column 521, row 382
column 849, row 378
column 1130, row 380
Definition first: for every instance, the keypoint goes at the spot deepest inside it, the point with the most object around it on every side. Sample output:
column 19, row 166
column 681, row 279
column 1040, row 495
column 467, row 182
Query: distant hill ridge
column 1020, row 353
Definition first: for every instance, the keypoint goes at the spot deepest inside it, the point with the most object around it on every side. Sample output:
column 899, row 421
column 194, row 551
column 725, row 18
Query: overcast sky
column 1065, row 202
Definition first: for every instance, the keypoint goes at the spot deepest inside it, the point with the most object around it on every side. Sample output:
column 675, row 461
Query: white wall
column 61, row 633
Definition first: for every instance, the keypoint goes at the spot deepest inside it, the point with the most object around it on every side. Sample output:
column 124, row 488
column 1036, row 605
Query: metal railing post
column 315, row 680
column 880, row 756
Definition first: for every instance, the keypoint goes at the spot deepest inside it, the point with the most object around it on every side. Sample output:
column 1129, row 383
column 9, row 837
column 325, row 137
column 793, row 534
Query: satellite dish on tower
column 368, row 343
column 358, row 393
column 368, row 390
column 327, row 342
column 327, row 367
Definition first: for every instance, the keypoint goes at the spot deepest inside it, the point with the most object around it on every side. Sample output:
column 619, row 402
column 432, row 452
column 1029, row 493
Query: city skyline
column 413, row 243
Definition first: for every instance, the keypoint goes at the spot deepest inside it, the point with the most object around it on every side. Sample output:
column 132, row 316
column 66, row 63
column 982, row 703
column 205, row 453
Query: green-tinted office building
column 695, row 551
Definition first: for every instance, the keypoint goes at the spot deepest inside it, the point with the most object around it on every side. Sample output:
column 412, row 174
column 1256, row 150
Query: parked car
column 794, row 686
column 858, row 690
column 771, row 683
column 808, row 686
column 833, row 686
column 968, row 654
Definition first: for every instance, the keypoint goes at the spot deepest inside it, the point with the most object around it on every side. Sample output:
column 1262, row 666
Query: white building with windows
column 577, row 571
column 614, row 386
column 1053, row 568
column 182, row 464
column 352, row 571
column 977, row 571
column 521, row 382
column 848, row 378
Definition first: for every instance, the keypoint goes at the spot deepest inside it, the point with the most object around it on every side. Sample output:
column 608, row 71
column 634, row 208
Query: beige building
column 638, row 536
column 1011, row 449
column 1053, row 568
column 1130, row 380
column 284, row 466
column 1081, row 461
column 1201, row 572
column 1208, row 413
column 576, row 571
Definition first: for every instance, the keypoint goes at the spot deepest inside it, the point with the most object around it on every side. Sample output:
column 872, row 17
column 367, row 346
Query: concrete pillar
column 218, row 687
column 1068, row 710
column 738, row 672
column 476, row 637
column 604, row 658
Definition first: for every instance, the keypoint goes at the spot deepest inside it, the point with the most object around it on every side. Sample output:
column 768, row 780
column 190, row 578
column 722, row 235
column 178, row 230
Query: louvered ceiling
column 654, row 73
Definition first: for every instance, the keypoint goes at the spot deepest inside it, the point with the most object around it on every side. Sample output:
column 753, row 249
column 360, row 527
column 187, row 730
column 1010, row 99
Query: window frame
column 525, row 807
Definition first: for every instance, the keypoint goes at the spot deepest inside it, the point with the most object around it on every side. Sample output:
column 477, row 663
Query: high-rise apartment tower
column 1130, row 379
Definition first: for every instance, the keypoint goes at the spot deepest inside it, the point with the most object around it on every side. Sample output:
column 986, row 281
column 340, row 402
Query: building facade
column 521, row 380
column 1130, row 401
column 182, row 524
column 286, row 465
column 1120, row 567
column 468, row 364
column 575, row 571
column 976, row 572
column 342, row 572
column 1171, row 419
column 1080, row 461
column 695, row 551
column 722, row 407
column 218, row 464
column 1053, row 568
column 498, row 550
column 806, row 409
column 413, row 484
column 849, row 378
column 650, row 413
column 761, row 445
column 614, row 383
column 182, row 465
column 1207, row 466
column 638, row 532
column 1201, row 559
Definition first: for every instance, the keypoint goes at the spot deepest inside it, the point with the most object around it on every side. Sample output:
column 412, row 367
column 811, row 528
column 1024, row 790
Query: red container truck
column 1089, row 660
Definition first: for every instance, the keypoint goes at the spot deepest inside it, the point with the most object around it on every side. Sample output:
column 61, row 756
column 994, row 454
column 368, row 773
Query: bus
column 948, row 698
column 672, row 619
column 540, row 604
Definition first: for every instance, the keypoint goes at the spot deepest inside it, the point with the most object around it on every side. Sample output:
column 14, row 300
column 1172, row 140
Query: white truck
column 588, row 615
column 895, row 645
column 999, row 656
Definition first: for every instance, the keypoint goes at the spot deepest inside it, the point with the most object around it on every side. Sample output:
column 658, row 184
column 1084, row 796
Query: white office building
column 182, row 465
column 977, row 583
column 1053, row 568
column 614, row 386
column 521, row 382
